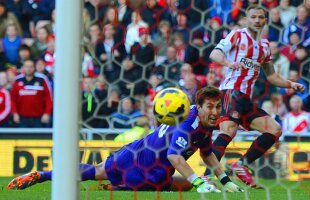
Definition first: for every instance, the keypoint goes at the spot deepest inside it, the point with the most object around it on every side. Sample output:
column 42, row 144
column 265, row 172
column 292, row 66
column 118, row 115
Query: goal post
column 65, row 184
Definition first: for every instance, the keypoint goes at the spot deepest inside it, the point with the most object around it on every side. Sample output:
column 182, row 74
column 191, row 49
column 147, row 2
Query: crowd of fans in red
column 132, row 49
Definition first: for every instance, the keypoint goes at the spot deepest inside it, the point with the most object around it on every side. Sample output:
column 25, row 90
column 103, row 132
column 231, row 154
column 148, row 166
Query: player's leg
column 232, row 109
column 100, row 173
column 180, row 183
column 270, row 130
column 228, row 130
column 88, row 172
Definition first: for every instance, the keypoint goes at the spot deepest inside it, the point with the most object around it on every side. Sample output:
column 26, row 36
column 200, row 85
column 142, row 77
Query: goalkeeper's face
column 209, row 112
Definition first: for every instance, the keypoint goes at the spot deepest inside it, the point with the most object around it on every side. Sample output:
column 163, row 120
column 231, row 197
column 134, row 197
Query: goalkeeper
column 149, row 163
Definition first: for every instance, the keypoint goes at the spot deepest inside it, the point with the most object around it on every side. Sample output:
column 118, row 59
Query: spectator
column 301, row 55
column 11, row 43
column 170, row 68
column 92, row 8
column 220, row 32
column 287, row 12
column 5, row 104
column 152, row 13
column 182, row 27
column 140, row 65
column 31, row 98
column 153, row 83
column 21, row 10
column 280, row 62
column 124, row 12
column 268, row 106
column 290, row 49
column 162, row 40
column 279, row 105
column 140, row 130
column 40, row 68
column 307, row 6
column 49, row 24
column 49, row 55
column 46, row 8
column 297, row 3
column 275, row 25
column 92, row 37
column 4, row 81
column 88, row 66
column 296, row 122
column 110, row 53
column 144, row 51
column 91, row 96
column 298, row 25
column 7, row 18
column 40, row 44
column 193, row 56
column 24, row 54
column 221, row 9
column 269, row 4
column 178, row 42
column 190, row 87
column 86, row 21
column 288, row 93
column 186, row 69
column 212, row 79
column 132, row 34
column 127, row 116
column 113, row 100
column 11, row 74
column 111, row 17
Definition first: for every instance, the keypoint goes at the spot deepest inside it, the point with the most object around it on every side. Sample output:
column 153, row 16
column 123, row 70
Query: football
column 171, row 106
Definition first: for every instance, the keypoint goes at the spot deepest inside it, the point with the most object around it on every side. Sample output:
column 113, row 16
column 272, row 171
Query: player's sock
column 87, row 171
column 220, row 144
column 259, row 147
column 45, row 176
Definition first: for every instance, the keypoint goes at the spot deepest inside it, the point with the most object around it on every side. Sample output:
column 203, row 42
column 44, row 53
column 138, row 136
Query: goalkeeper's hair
column 207, row 92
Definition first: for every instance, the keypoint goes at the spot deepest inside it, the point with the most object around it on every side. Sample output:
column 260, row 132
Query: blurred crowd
column 134, row 48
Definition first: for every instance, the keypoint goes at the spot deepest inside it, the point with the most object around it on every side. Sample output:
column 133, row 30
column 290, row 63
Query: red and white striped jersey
column 296, row 123
column 239, row 46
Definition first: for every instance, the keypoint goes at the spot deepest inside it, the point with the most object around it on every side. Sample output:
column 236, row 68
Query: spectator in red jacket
column 5, row 104
column 31, row 98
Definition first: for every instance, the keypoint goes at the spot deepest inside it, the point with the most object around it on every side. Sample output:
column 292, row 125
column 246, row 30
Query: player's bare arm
column 180, row 164
column 213, row 163
column 219, row 57
column 277, row 80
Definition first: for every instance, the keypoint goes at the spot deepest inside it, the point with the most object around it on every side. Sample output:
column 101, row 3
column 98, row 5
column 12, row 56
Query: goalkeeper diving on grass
column 150, row 163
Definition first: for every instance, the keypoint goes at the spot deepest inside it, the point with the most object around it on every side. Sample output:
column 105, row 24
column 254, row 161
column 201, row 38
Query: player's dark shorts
column 125, row 174
column 238, row 107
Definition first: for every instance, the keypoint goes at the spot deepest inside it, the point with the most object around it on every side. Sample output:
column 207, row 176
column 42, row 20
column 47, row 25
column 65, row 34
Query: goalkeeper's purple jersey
column 148, row 155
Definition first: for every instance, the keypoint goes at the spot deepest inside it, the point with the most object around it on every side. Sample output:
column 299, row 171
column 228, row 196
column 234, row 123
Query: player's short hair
column 207, row 92
column 255, row 7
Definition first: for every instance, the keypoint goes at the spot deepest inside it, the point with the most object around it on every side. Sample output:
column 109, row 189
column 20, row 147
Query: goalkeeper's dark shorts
column 238, row 107
column 125, row 174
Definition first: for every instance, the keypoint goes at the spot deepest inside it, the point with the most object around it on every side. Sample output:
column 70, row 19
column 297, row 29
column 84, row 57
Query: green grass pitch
column 283, row 191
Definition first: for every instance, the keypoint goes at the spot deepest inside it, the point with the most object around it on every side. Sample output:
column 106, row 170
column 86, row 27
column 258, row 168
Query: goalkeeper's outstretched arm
column 216, row 166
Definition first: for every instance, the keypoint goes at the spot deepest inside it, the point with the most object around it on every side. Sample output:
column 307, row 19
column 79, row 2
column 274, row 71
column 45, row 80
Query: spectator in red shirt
column 31, row 98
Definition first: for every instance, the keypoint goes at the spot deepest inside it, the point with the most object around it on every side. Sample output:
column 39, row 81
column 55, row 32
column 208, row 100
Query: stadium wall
column 22, row 156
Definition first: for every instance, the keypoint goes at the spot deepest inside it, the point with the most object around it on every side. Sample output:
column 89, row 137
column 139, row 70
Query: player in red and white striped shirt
column 244, row 53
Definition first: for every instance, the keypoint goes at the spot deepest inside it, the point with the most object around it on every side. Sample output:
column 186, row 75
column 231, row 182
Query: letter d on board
column 17, row 168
